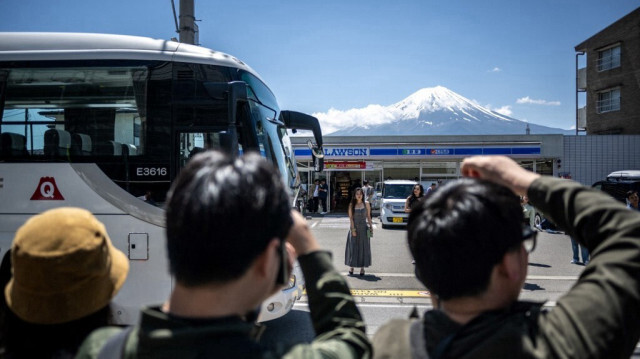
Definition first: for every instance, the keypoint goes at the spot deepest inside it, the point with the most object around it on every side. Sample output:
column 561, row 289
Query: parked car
column 618, row 183
column 377, row 196
column 394, row 196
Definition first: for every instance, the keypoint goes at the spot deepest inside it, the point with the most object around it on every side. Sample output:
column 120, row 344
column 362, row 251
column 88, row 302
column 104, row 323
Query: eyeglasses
column 529, row 238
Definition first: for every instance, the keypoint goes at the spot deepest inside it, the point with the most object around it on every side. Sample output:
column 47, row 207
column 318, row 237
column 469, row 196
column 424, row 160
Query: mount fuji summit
column 435, row 111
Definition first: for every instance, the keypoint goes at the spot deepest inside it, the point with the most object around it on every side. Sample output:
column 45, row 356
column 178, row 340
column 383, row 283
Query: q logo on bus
column 47, row 190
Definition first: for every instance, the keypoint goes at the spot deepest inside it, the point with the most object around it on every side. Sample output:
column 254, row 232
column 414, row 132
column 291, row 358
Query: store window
column 545, row 167
column 527, row 165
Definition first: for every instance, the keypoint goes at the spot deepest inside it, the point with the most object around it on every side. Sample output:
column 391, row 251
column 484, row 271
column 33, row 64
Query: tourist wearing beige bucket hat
column 65, row 271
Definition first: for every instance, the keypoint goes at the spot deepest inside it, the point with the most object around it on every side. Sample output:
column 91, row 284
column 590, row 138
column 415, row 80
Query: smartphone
column 283, row 271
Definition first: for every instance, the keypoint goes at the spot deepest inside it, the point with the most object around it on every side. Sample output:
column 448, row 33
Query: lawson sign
column 346, row 152
column 404, row 152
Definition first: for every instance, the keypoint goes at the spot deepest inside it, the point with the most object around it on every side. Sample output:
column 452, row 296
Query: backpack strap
column 113, row 348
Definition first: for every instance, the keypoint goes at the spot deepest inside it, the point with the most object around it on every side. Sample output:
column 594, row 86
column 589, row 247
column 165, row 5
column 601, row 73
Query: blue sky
column 513, row 56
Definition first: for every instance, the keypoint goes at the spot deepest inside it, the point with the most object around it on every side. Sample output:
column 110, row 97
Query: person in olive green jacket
column 471, row 251
column 230, row 230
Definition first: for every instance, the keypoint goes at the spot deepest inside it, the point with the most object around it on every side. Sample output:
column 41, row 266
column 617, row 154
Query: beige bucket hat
column 64, row 267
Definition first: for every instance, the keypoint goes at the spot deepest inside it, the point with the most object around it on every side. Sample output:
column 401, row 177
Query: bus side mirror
column 297, row 120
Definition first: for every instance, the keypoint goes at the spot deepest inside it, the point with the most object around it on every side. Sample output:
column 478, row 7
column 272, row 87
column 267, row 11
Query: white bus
column 100, row 121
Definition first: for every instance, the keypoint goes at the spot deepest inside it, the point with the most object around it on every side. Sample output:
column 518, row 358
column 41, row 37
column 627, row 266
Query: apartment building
column 610, row 82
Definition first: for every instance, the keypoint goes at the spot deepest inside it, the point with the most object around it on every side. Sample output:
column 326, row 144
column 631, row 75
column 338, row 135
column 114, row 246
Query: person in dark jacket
column 226, row 247
column 471, row 251
column 323, row 192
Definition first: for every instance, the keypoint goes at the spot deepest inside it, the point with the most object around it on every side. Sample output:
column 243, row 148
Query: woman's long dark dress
column 358, row 250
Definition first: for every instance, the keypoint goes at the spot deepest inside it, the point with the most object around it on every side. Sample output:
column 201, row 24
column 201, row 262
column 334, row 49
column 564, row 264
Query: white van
column 394, row 197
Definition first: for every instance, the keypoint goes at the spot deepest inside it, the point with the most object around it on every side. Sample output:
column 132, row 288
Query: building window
column 608, row 101
column 609, row 58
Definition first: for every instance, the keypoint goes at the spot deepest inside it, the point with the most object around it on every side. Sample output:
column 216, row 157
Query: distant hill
column 440, row 111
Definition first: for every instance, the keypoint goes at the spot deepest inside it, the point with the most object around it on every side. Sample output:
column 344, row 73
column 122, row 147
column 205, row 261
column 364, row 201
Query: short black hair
column 630, row 193
column 460, row 232
column 222, row 212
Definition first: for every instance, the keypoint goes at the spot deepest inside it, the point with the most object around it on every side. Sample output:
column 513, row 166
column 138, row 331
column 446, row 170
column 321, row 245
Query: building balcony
column 582, row 79
column 582, row 118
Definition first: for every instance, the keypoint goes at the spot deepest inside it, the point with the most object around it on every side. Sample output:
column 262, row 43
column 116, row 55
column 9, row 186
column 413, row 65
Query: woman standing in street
column 416, row 194
column 358, row 250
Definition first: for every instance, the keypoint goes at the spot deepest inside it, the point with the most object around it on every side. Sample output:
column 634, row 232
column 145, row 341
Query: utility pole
column 187, row 22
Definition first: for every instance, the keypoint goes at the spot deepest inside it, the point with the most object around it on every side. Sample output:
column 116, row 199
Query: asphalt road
column 550, row 271
column 389, row 288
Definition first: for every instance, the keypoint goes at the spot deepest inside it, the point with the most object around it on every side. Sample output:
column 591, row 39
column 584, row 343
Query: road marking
column 530, row 277
column 305, row 305
column 420, row 306
column 390, row 293
column 406, row 293
column 552, row 277
column 416, row 293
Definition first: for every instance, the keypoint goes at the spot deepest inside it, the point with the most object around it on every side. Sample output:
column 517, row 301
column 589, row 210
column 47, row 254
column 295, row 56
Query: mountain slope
column 437, row 111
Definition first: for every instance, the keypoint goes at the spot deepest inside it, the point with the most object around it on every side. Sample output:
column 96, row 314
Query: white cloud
column 529, row 100
column 504, row 110
column 495, row 69
column 334, row 120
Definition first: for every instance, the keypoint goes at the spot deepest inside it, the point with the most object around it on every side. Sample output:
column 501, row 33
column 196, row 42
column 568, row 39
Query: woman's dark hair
column 354, row 200
column 460, row 232
column 221, row 213
column 412, row 196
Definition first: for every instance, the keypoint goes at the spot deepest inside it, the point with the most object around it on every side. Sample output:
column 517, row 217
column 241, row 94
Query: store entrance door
column 340, row 182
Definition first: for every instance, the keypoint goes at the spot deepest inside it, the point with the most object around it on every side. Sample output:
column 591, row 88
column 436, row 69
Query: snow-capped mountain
column 433, row 111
